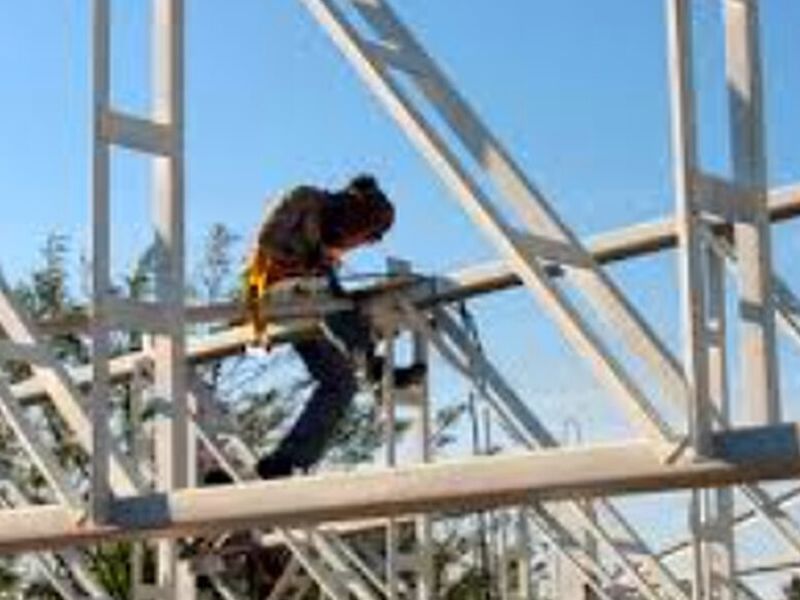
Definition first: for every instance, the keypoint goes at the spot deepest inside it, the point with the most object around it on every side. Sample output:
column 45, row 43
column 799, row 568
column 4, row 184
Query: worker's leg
column 351, row 330
column 304, row 445
column 330, row 362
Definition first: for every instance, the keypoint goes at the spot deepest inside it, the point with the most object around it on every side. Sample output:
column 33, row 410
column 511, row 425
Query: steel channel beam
column 759, row 365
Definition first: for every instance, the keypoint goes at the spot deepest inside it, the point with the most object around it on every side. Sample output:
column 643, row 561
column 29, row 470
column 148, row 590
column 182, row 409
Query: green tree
column 215, row 274
column 260, row 395
column 47, row 295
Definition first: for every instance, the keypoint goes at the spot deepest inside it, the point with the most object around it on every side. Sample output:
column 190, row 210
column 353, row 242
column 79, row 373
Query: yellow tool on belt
column 263, row 272
column 259, row 274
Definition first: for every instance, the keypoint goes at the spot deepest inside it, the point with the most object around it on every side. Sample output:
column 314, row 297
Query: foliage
column 474, row 584
column 215, row 271
column 47, row 296
column 110, row 563
column 361, row 434
column 259, row 402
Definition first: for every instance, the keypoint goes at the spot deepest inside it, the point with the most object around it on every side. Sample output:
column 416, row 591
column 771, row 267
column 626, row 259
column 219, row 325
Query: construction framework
column 563, row 494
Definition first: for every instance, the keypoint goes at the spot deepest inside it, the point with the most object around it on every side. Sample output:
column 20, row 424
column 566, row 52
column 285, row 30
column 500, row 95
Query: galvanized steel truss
column 719, row 224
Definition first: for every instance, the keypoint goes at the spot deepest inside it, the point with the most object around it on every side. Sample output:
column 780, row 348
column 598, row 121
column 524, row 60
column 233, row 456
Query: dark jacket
column 291, row 233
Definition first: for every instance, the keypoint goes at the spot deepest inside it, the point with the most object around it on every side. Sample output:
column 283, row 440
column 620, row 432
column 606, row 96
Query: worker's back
column 292, row 227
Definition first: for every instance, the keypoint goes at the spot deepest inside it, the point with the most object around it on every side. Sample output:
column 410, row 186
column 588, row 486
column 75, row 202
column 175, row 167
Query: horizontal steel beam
column 227, row 342
column 627, row 242
column 743, row 455
column 767, row 567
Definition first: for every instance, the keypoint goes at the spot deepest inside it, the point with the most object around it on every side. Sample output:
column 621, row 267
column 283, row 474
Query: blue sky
column 575, row 88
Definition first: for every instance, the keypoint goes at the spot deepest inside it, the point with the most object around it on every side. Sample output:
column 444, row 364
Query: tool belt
column 261, row 275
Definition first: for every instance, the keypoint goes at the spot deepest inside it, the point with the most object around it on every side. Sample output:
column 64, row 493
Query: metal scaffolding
column 560, row 494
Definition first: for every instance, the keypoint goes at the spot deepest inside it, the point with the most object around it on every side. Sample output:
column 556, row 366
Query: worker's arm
column 334, row 284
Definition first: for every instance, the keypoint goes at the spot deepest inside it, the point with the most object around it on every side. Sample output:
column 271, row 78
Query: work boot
column 217, row 477
column 403, row 376
column 411, row 375
column 274, row 466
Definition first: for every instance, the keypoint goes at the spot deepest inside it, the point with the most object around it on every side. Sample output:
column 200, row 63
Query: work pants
column 330, row 361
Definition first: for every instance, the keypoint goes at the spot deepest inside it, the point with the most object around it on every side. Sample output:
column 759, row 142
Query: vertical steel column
column 101, row 250
column 752, row 234
column 424, row 525
column 573, row 582
column 174, row 446
column 693, row 301
column 503, row 556
column 688, row 221
column 140, row 453
column 163, row 140
column 389, row 414
column 703, row 306
column 718, row 504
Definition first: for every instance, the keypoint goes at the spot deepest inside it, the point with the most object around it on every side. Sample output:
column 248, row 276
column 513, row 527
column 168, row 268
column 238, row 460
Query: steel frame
column 538, row 251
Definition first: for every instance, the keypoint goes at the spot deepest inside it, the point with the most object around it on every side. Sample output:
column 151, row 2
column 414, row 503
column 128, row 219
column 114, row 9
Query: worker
column 305, row 234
